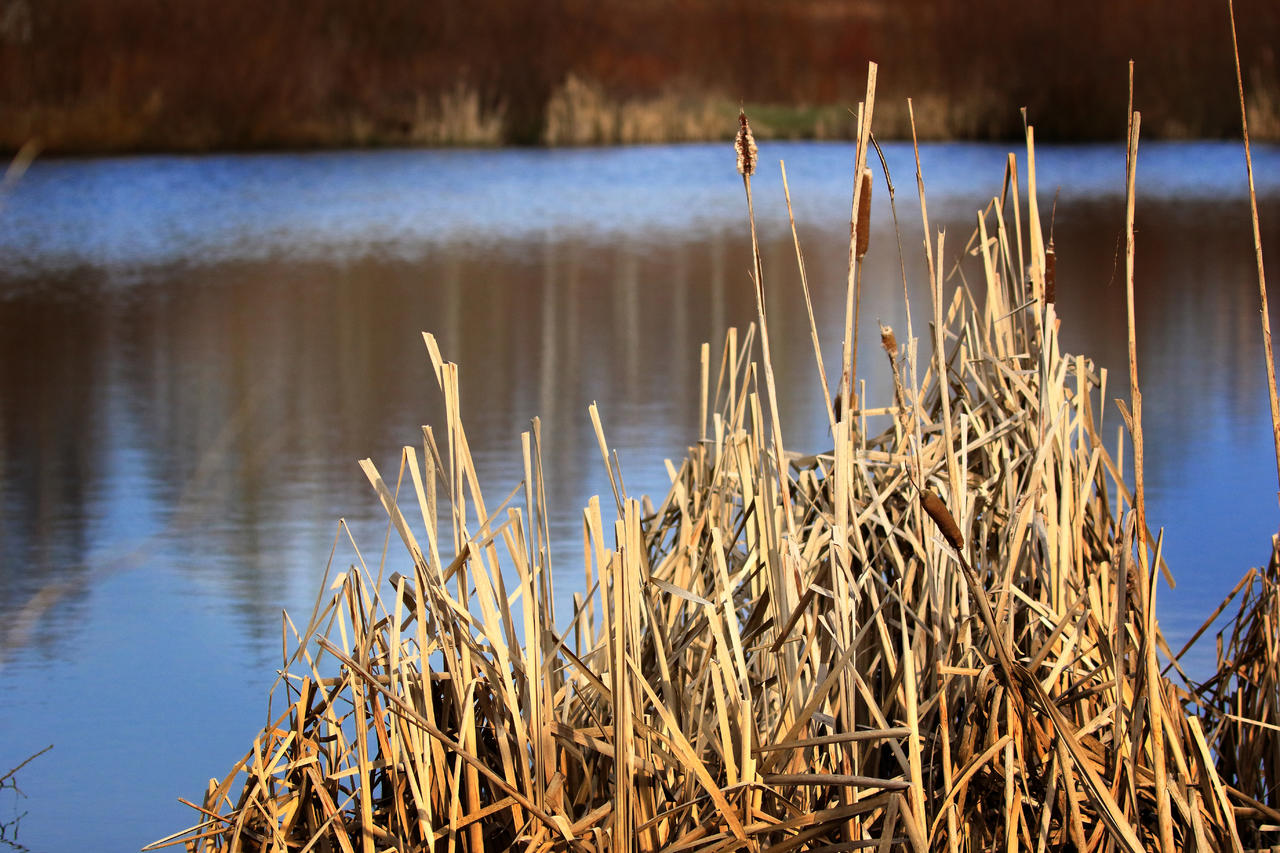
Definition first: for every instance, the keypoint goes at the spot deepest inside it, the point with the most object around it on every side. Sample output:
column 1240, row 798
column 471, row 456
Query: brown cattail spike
column 745, row 145
column 864, row 215
column 941, row 516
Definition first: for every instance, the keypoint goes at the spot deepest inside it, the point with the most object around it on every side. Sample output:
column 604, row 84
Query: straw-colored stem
column 848, row 383
column 771, row 387
column 1257, row 248
column 808, row 303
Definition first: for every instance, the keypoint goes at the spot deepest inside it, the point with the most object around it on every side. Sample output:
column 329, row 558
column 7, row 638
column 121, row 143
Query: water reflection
column 195, row 351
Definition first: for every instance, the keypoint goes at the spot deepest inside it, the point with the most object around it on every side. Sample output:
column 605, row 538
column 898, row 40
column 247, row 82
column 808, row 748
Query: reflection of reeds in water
column 799, row 653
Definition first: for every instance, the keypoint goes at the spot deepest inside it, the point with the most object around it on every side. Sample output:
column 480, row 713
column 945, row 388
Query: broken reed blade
column 1050, row 273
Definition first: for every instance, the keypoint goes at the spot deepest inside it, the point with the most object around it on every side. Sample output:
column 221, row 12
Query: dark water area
column 195, row 352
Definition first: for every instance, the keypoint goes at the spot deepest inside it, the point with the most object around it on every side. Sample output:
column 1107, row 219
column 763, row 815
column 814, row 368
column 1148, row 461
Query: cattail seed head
column 745, row 145
column 864, row 215
column 888, row 341
column 941, row 516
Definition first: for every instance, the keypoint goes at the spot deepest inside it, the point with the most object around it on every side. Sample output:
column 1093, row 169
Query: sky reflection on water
column 122, row 215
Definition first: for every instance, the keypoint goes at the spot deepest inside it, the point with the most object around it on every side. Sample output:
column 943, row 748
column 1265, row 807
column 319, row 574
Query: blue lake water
column 195, row 351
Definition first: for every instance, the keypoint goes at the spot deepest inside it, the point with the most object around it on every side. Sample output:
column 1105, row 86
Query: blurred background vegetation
column 125, row 75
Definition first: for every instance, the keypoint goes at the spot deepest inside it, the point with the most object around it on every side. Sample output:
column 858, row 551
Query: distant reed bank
column 81, row 76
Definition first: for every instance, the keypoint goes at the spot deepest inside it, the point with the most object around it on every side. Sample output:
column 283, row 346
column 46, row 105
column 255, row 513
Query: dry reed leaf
column 1050, row 273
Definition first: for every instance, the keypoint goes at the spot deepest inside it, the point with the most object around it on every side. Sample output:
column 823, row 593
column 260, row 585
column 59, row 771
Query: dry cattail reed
column 745, row 145
column 889, row 342
column 942, row 517
column 860, row 239
column 864, row 215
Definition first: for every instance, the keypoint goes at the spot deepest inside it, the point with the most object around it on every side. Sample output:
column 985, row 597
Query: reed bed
column 938, row 635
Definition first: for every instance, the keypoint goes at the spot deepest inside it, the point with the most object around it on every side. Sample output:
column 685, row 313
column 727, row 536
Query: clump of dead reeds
column 1239, row 700
column 938, row 637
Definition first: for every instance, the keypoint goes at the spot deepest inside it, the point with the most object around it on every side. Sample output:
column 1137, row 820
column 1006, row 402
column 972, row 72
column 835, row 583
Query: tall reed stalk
column 1257, row 246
